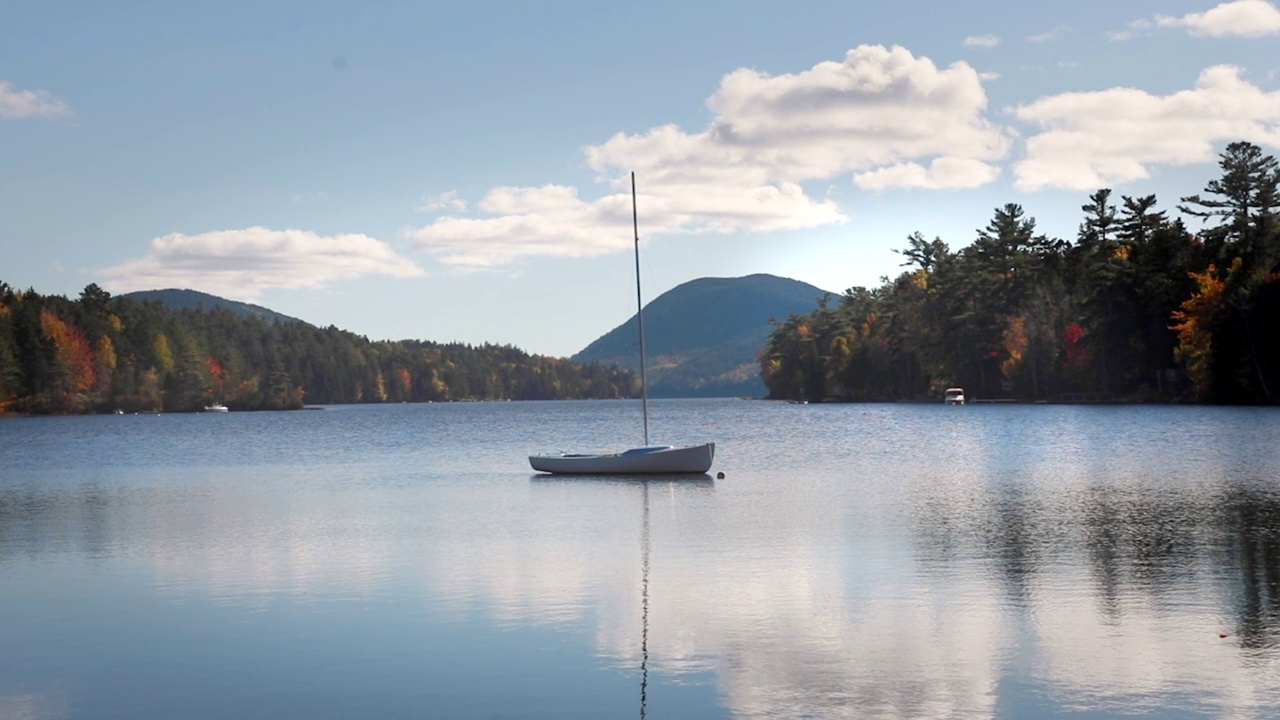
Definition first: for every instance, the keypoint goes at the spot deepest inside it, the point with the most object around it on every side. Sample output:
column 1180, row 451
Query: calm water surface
column 856, row 561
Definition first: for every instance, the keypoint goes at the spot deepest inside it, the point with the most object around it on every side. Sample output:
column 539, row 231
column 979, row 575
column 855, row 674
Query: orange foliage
column 71, row 349
column 406, row 381
column 1193, row 321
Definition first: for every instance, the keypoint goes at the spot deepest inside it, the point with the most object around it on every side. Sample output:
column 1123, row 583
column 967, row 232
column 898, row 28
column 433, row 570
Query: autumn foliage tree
column 100, row 354
column 1138, row 307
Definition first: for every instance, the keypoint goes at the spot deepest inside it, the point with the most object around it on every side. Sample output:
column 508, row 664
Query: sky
column 460, row 171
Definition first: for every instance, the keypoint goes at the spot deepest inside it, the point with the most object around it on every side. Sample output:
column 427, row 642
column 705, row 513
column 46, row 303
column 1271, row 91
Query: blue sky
column 457, row 171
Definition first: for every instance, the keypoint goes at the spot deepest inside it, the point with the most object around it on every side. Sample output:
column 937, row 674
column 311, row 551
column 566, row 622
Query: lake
column 856, row 561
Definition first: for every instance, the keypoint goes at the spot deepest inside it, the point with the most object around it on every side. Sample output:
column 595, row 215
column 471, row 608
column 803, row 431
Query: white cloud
column 1096, row 139
column 1242, row 18
column 988, row 76
column 240, row 264
column 16, row 104
column 877, row 109
column 1137, row 27
column 981, row 41
column 443, row 201
column 941, row 173
column 553, row 221
column 1058, row 32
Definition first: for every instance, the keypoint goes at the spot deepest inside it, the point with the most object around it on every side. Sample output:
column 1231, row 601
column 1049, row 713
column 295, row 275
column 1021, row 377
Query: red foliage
column 1077, row 356
column 215, row 369
column 215, row 376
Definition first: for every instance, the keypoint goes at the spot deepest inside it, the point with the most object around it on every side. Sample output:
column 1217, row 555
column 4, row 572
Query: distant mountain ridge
column 703, row 336
column 176, row 299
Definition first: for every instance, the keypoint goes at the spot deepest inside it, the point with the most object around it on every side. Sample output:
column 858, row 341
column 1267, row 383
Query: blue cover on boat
column 646, row 449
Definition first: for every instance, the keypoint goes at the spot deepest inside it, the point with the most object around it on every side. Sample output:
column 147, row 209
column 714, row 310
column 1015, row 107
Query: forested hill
column 703, row 337
column 100, row 353
column 1138, row 307
column 175, row 299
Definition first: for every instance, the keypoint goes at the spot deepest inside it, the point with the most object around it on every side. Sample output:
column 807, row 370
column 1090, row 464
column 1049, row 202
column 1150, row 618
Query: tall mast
column 644, row 391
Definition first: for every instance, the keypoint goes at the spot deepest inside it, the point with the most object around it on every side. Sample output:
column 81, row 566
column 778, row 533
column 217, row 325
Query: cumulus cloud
column 981, row 41
column 15, row 104
column 876, row 110
column 941, row 173
column 443, row 201
column 553, row 221
column 1096, row 139
column 1241, row 18
column 240, row 264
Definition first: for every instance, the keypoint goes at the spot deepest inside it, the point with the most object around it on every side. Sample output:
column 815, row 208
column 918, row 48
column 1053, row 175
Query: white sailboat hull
column 663, row 459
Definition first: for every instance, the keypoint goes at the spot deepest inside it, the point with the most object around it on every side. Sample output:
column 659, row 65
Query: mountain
column 702, row 337
column 190, row 299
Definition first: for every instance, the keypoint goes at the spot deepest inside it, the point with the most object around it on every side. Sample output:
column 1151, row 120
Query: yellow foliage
column 248, row 389
column 840, row 346
column 1015, row 344
column 106, row 357
column 164, row 356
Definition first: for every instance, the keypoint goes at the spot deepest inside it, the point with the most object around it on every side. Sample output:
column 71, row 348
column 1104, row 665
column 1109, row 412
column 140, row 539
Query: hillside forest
column 100, row 353
column 1137, row 308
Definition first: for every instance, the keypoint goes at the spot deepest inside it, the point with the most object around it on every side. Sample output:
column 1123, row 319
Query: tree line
column 1137, row 308
column 99, row 353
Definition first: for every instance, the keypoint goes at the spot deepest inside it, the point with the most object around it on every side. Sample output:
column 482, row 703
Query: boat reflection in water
column 643, row 483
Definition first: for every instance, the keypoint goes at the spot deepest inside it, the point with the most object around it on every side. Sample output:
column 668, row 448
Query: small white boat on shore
column 217, row 408
column 954, row 396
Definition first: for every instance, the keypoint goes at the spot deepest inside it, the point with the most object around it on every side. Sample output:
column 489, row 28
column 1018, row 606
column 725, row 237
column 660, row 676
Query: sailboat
column 646, row 459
